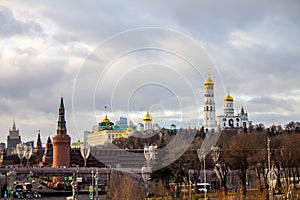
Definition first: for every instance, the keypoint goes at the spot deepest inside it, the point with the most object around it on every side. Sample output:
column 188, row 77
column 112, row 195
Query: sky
column 133, row 56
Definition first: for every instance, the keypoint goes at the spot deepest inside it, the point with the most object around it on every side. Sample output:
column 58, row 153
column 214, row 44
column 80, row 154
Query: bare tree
column 123, row 186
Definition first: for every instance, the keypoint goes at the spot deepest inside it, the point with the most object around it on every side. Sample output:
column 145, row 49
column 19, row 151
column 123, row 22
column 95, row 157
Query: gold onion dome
column 147, row 117
column 228, row 97
column 105, row 120
column 129, row 128
column 209, row 81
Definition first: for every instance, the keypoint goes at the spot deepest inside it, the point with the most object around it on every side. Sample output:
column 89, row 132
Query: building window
column 206, row 108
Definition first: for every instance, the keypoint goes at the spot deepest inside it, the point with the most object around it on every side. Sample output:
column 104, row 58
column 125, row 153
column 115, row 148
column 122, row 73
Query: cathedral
column 228, row 119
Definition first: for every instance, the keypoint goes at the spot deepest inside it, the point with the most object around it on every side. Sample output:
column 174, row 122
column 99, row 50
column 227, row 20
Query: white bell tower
column 209, row 117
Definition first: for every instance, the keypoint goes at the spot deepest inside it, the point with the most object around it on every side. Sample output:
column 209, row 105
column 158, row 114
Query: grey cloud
column 11, row 26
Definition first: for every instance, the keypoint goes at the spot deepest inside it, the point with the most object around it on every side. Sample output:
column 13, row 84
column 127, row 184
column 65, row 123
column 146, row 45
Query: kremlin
column 57, row 151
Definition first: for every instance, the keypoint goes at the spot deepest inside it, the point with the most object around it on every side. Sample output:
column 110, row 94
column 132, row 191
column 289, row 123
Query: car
column 37, row 195
column 202, row 187
column 18, row 193
column 40, row 187
column 33, row 181
column 28, row 194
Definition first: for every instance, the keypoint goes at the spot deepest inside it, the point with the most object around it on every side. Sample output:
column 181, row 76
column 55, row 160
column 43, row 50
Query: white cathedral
column 228, row 119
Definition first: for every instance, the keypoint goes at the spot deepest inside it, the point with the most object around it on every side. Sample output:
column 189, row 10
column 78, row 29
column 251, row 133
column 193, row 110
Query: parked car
column 37, row 195
column 18, row 194
column 28, row 194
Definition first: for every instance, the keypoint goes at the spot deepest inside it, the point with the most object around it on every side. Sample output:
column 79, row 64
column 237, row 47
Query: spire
column 242, row 111
column 61, row 123
column 61, row 102
column 39, row 138
column 38, row 142
column 14, row 126
column 209, row 81
column 49, row 140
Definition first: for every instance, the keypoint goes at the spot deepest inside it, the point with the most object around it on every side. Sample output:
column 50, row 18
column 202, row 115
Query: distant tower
column 209, row 105
column 48, row 155
column 38, row 148
column 61, row 141
column 148, row 121
column 13, row 139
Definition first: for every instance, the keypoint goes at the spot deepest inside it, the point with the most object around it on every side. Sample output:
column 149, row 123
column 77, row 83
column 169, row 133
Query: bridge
column 68, row 171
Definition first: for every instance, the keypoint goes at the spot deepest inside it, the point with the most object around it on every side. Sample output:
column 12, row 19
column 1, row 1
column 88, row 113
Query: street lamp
column 201, row 156
column 146, row 171
column 190, row 182
column 11, row 174
column 85, row 150
column 215, row 151
column 21, row 150
column 74, row 186
column 28, row 153
column 149, row 153
column 96, row 184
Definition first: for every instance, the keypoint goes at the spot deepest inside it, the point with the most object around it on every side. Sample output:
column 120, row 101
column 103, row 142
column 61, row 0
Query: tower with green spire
column 61, row 141
column 61, row 123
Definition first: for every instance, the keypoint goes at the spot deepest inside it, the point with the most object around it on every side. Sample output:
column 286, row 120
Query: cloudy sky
column 136, row 55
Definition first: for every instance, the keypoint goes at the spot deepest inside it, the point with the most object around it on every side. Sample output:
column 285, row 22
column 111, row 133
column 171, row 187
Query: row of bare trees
column 242, row 154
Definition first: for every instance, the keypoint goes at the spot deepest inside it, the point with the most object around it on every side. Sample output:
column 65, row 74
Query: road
column 80, row 197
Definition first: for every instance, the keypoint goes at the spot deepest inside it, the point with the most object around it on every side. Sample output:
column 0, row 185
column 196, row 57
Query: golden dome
column 105, row 120
column 228, row 97
column 148, row 117
column 129, row 129
column 209, row 81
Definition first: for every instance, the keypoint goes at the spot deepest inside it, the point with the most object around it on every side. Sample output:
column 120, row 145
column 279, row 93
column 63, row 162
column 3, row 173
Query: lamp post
column 149, row 153
column 91, row 188
column 96, row 184
column 28, row 153
column 201, row 156
column 11, row 174
column 215, row 151
column 74, row 185
column 21, row 150
column 85, row 150
column 146, row 171
column 190, row 191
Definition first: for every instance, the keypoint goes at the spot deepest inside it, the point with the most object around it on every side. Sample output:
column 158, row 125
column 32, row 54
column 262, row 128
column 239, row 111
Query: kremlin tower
column 38, row 148
column 209, row 105
column 48, row 155
column 61, row 141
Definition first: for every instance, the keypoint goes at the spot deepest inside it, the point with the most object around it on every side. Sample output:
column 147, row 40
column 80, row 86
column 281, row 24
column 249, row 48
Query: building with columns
column 106, row 131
